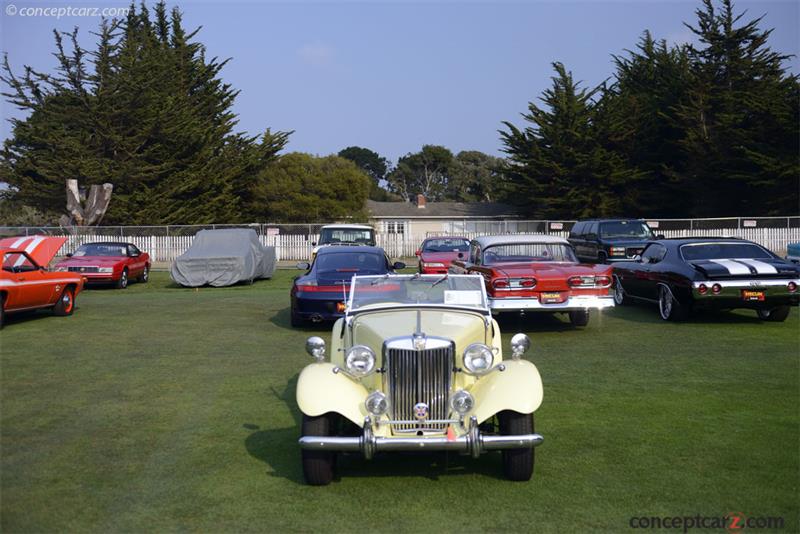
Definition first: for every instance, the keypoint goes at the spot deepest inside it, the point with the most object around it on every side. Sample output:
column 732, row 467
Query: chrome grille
column 83, row 269
column 415, row 376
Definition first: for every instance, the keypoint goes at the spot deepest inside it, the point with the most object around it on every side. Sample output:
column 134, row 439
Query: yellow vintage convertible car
column 416, row 365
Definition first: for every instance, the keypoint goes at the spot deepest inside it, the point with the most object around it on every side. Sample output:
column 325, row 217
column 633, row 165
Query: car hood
column 99, row 261
column 39, row 247
column 441, row 257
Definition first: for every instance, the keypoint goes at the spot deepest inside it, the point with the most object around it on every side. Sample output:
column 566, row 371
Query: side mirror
column 520, row 344
column 68, row 255
column 398, row 265
column 460, row 255
column 303, row 265
column 313, row 243
column 136, row 254
column 638, row 258
column 418, row 252
column 660, row 236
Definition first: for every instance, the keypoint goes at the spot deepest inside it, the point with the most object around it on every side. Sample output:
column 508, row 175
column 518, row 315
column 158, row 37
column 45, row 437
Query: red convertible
column 25, row 282
column 537, row 273
column 108, row 263
column 436, row 253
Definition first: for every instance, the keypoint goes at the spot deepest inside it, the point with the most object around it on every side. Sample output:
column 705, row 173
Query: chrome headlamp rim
column 471, row 357
column 355, row 352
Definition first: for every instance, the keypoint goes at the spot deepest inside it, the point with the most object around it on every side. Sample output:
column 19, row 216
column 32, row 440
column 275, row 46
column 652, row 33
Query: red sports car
column 108, row 263
column 436, row 253
column 537, row 273
column 25, row 282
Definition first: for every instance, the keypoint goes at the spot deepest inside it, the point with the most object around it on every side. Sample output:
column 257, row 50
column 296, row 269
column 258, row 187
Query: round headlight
column 520, row 344
column 377, row 403
column 478, row 358
column 360, row 360
column 315, row 346
column 462, row 402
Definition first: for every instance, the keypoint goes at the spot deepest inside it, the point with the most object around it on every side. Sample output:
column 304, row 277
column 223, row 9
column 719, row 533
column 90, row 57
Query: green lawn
column 160, row 408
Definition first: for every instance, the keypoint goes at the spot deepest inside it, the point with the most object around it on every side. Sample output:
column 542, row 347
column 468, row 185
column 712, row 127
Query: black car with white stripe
column 686, row 274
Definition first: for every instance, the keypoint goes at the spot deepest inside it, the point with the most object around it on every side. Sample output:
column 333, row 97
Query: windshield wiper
column 440, row 280
column 378, row 280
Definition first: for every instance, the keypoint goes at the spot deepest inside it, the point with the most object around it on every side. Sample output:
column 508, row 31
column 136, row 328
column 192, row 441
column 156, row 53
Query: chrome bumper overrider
column 473, row 442
column 533, row 304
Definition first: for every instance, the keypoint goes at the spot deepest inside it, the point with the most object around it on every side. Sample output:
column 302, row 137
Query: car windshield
column 331, row 236
column 721, row 251
column 445, row 245
column 398, row 289
column 629, row 229
column 101, row 250
column 527, row 252
column 343, row 262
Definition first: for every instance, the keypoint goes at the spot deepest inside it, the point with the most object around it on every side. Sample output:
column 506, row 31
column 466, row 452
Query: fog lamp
column 462, row 402
column 315, row 346
column 520, row 344
column 377, row 403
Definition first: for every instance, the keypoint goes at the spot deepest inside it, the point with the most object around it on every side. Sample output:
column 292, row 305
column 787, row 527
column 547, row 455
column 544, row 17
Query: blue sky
column 392, row 76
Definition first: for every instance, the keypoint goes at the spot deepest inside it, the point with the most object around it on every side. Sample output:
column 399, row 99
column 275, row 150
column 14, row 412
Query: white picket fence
column 164, row 249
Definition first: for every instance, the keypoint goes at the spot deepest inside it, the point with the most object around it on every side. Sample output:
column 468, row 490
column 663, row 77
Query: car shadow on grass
column 536, row 322
column 643, row 313
column 282, row 319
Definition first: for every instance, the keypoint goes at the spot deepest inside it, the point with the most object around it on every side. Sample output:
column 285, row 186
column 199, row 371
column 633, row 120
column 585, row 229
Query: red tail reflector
column 792, row 287
column 500, row 284
column 528, row 282
column 716, row 289
column 702, row 289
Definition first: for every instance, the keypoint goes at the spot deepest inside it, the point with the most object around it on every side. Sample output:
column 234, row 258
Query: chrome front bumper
column 533, row 304
column 473, row 442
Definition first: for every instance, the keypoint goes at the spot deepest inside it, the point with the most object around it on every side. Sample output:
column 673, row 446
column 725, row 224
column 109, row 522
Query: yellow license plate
column 549, row 298
column 753, row 295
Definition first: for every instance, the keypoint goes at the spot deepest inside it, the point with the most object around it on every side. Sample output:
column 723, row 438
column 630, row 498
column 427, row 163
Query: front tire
column 777, row 315
column 65, row 304
column 668, row 306
column 619, row 293
column 122, row 283
column 318, row 466
column 145, row 276
column 517, row 463
column 579, row 317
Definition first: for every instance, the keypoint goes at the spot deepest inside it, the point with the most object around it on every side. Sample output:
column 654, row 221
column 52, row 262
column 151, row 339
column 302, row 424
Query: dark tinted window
column 445, row 245
column 654, row 253
column 721, row 251
column 363, row 263
column 591, row 228
column 577, row 230
column 625, row 229
column 95, row 249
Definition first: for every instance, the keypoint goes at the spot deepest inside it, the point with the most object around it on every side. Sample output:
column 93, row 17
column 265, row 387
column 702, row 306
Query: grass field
column 159, row 408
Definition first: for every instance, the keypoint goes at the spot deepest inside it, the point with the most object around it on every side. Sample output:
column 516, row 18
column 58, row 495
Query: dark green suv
column 608, row 240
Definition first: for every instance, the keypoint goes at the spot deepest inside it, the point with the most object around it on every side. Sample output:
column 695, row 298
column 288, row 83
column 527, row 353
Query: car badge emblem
column 421, row 411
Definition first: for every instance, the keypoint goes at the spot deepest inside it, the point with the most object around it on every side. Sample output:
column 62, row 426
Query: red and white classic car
column 25, row 282
column 537, row 273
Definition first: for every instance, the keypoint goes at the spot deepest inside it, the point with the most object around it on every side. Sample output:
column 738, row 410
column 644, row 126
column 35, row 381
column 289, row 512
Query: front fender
column 518, row 388
column 320, row 390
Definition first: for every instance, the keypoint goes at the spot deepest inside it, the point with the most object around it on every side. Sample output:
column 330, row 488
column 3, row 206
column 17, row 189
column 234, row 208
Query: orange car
column 25, row 282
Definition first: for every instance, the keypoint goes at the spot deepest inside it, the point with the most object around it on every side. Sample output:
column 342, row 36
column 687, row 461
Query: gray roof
column 446, row 210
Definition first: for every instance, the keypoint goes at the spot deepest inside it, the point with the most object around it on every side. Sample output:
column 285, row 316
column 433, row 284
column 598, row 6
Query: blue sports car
column 321, row 293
